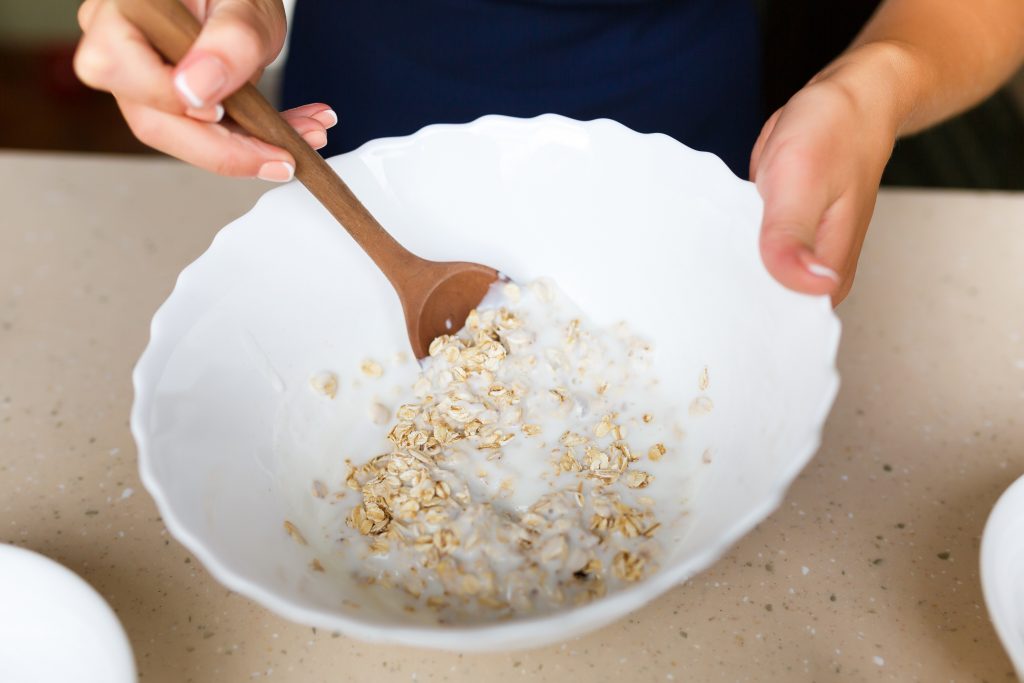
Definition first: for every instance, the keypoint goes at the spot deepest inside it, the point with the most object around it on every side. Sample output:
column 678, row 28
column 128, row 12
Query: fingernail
column 214, row 114
column 315, row 138
column 276, row 171
column 820, row 269
column 199, row 81
column 327, row 117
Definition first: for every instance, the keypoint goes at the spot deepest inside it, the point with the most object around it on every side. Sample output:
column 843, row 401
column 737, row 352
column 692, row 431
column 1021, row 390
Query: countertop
column 868, row 571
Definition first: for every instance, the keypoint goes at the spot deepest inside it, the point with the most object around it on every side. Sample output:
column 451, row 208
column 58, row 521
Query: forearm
column 921, row 61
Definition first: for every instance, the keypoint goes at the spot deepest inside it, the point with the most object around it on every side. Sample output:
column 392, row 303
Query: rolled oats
column 325, row 383
column 371, row 368
column 294, row 532
column 444, row 522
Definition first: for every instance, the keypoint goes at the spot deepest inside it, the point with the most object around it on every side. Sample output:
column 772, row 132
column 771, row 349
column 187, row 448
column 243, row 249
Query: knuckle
column 245, row 35
column 239, row 41
column 251, row 43
column 92, row 65
column 84, row 14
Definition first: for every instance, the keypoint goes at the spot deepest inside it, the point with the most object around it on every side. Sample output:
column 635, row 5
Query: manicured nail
column 327, row 117
column 821, row 270
column 276, row 171
column 315, row 138
column 199, row 82
column 214, row 114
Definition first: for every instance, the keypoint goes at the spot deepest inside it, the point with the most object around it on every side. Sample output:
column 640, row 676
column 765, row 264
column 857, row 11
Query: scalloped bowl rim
column 484, row 637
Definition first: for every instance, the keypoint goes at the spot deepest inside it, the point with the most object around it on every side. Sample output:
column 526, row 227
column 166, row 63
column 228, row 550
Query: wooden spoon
column 436, row 296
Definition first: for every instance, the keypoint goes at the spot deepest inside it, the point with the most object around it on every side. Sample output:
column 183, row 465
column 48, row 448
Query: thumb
column 795, row 202
column 237, row 40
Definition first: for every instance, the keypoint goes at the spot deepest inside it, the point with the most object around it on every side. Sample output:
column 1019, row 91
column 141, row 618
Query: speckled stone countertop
column 868, row 571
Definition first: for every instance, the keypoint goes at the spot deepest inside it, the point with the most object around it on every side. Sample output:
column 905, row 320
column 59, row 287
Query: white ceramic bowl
column 635, row 227
column 54, row 627
column 1002, row 571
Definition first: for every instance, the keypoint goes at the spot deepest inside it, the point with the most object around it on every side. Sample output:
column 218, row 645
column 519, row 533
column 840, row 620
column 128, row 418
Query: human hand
column 176, row 109
column 817, row 165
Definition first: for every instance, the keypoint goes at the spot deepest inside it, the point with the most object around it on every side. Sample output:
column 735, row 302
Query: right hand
column 176, row 109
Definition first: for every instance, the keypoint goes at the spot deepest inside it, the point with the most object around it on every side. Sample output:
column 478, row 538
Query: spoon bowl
column 441, row 299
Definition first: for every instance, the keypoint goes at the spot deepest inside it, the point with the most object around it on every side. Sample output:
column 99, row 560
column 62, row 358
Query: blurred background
column 44, row 107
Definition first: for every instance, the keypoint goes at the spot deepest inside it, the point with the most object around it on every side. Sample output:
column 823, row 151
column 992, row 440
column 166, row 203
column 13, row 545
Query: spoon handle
column 171, row 28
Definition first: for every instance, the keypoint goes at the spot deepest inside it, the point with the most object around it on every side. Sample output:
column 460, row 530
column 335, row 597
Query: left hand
column 817, row 165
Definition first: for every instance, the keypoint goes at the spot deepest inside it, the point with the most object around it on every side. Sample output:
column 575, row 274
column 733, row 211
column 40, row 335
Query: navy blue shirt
column 687, row 68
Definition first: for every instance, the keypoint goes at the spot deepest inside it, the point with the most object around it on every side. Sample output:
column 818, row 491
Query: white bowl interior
column 633, row 227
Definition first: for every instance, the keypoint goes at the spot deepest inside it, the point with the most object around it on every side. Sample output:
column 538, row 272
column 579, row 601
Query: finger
column 238, row 39
column 795, row 203
column 839, row 233
column 857, row 219
column 841, row 293
column 214, row 114
column 762, row 140
column 319, row 111
column 311, row 128
column 86, row 11
column 207, row 145
column 114, row 56
column 848, row 276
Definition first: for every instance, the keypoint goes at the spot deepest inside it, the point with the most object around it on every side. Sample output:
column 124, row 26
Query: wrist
column 885, row 80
